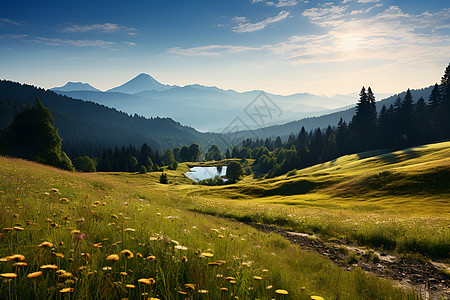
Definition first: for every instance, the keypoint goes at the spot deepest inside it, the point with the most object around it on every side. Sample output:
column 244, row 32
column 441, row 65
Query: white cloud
column 61, row 42
column 244, row 26
column 209, row 50
column 105, row 28
column 280, row 3
column 5, row 20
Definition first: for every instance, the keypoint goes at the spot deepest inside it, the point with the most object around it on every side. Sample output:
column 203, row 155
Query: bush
column 173, row 165
column 142, row 170
column 163, row 179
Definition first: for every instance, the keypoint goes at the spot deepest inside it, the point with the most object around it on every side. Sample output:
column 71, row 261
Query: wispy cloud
column 209, row 50
column 61, row 42
column 9, row 21
column 279, row 3
column 387, row 35
column 104, row 28
column 244, row 26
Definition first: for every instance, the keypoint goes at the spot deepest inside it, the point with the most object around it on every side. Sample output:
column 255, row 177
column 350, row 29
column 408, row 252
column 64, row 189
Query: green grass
column 135, row 212
column 398, row 201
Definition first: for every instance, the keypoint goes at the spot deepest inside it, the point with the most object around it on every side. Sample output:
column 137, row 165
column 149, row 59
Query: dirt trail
column 423, row 277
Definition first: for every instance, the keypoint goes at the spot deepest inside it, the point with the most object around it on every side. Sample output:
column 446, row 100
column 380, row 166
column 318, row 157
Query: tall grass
column 172, row 246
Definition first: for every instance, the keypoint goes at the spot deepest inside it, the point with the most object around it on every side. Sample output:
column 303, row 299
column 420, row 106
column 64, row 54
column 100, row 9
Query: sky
column 279, row 46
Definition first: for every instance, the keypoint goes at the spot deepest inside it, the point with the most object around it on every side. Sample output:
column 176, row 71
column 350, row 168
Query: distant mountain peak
column 75, row 86
column 140, row 83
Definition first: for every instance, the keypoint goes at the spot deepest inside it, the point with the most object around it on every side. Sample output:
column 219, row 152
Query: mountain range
column 202, row 107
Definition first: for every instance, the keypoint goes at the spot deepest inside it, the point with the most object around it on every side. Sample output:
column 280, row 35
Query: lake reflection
column 202, row 173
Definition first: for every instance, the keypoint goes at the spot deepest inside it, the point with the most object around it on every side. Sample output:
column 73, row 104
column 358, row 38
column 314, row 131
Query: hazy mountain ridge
column 203, row 107
column 75, row 86
column 329, row 119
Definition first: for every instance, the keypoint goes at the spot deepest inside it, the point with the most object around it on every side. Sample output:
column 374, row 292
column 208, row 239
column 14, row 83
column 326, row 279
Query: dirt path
column 423, row 277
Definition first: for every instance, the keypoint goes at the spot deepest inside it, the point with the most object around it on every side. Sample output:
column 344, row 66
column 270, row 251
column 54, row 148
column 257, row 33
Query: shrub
column 142, row 170
column 163, row 179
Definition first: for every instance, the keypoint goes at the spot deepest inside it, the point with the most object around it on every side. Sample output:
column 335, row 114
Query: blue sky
column 281, row 46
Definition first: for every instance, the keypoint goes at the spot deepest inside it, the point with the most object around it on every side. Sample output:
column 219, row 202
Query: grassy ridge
column 398, row 201
column 87, row 217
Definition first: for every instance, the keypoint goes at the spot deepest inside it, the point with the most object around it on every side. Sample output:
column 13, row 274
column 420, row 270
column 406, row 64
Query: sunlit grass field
column 111, row 236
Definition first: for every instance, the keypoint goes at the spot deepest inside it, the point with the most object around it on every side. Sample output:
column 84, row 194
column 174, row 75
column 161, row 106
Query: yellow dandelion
column 182, row 293
column 269, row 287
column 17, row 228
column 99, row 245
column 316, row 298
column 214, row 264
column 75, row 231
column 206, row 254
column 203, row 291
column 130, row 286
column 66, row 290
column 130, row 230
column 49, row 267
column 127, row 253
column 34, row 274
column 224, row 289
column 190, row 286
column 232, row 281
column 184, row 259
column 257, row 277
column 123, row 273
column 16, row 257
column 112, row 257
column 281, row 292
column 46, row 245
column 230, row 278
column 151, row 257
column 60, row 255
column 152, row 298
column 87, row 255
column 114, row 216
column 64, row 200
column 20, row 264
column 66, row 275
column 8, row 229
column 8, row 275
column 138, row 255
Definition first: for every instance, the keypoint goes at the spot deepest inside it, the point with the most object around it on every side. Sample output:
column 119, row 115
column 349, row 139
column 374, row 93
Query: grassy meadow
column 125, row 235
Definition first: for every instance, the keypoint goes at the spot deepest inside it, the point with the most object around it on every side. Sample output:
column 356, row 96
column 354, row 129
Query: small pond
column 202, row 173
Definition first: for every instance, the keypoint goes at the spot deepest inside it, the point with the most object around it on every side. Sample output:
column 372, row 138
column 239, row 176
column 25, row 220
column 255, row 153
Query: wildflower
column 29, row 222
column 182, row 293
column 190, row 286
column 214, row 264
column 269, row 287
column 281, row 292
column 224, row 289
column 75, row 231
column 99, row 245
column 86, row 254
column 34, row 274
column 65, row 275
column 123, row 273
column 17, row 228
column 78, row 237
column 180, row 247
column 112, row 257
column 16, row 257
column 60, row 255
column 184, row 259
column 66, row 290
column 64, row 200
column 46, row 245
column 8, row 275
column 55, row 190
column 257, row 277
column 232, row 281
column 316, row 298
column 203, row 291
column 230, row 278
column 151, row 257
column 206, row 254
column 49, row 267
column 147, row 281
column 8, row 229
column 130, row 230
column 114, row 216
column 127, row 253
column 130, row 286
column 107, row 268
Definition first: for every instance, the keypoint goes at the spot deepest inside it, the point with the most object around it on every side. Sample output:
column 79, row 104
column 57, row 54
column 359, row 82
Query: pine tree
column 32, row 135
